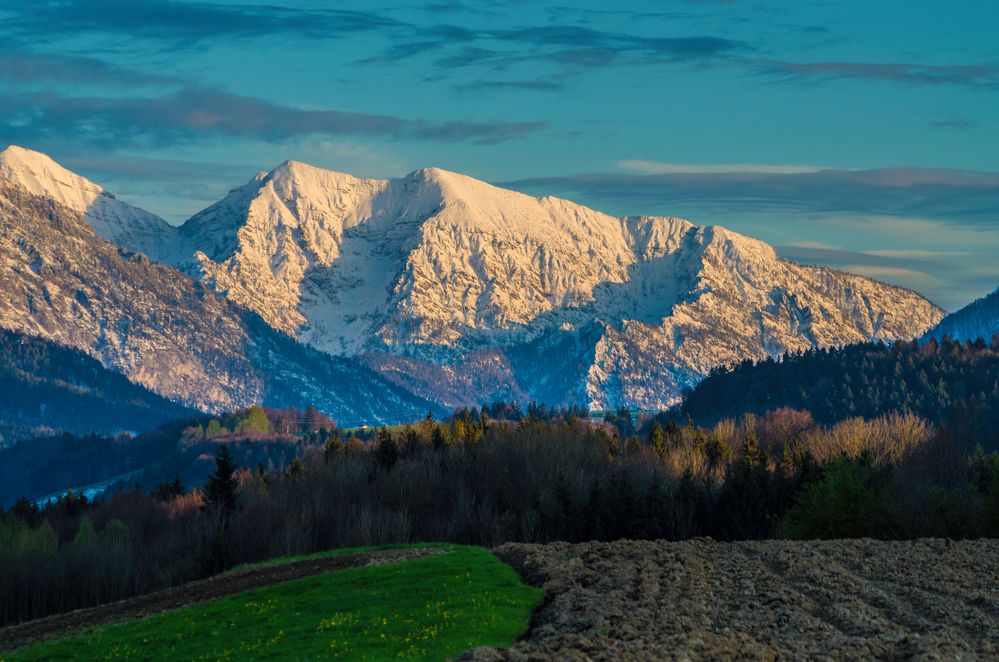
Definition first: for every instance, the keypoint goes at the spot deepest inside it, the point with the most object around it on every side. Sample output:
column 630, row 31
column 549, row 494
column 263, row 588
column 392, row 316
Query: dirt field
column 929, row 599
column 17, row 636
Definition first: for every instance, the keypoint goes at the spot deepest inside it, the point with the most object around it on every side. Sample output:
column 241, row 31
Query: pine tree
column 220, row 503
column 220, row 492
column 387, row 451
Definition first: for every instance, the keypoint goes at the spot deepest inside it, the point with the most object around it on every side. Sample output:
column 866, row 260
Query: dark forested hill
column 45, row 386
column 945, row 382
column 979, row 319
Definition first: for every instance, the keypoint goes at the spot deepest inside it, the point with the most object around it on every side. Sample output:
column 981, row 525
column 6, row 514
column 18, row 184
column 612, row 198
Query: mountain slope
column 114, row 220
column 979, row 319
column 162, row 329
column 555, row 301
column 461, row 292
column 45, row 386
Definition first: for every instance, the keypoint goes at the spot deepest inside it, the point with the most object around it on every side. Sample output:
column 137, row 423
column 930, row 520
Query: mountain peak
column 114, row 220
column 39, row 174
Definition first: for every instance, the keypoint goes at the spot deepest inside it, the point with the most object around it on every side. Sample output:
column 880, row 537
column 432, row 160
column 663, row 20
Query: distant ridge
column 979, row 319
column 48, row 387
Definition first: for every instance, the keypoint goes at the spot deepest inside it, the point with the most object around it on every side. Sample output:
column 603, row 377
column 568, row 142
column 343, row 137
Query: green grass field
column 427, row 608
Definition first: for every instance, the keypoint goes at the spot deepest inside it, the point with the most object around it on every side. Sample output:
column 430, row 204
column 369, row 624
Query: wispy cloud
column 196, row 113
column 962, row 197
column 660, row 168
column 523, row 85
column 972, row 75
column 180, row 23
column 572, row 48
column 892, row 252
column 916, row 278
column 958, row 123
column 25, row 67
column 822, row 253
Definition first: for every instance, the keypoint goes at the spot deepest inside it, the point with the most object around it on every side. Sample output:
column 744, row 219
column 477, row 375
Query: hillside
column 943, row 382
column 46, row 387
column 162, row 329
column 979, row 319
column 410, row 602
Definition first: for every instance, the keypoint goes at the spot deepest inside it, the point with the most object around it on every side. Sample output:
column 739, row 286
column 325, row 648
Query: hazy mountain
column 979, row 319
column 162, row 329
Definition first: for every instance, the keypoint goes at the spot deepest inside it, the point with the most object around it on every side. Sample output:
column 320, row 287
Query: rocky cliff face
column 427, row 275
column 164, row 330
column 461, row 291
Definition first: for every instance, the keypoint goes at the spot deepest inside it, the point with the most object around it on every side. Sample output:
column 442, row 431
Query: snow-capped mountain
column 979, row 319
column 161, row 328
column 463, row 292
column 114, row 220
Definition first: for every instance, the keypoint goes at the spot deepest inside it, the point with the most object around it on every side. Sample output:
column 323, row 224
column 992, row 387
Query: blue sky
column 857, row 134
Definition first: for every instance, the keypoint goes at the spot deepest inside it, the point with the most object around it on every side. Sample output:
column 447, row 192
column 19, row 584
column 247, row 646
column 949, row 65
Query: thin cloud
column 22, row 67
column 198, row 113
column 961, row 197
column 916, row 253
column 893, row 273
column 974, row 75
column 572, row 47
column 660, row 168
column 182, row 23
column 953, row 123
column 520, row 85
column 840, row 257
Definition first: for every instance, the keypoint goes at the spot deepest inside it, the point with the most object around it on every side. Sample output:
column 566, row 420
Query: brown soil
column 220, row 586
column 771, row 600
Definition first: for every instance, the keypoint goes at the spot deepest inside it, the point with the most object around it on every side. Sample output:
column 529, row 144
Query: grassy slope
column 428, row 608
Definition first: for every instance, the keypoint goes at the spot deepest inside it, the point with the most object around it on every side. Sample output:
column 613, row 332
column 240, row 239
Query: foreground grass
column 428, row 608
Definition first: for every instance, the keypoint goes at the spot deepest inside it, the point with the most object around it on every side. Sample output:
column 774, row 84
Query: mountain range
column 431, row 288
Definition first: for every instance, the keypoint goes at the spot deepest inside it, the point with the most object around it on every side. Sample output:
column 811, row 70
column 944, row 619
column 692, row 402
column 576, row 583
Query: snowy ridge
column 164, row 330
column 440, row 270
column 436, row 279
column 114, row 220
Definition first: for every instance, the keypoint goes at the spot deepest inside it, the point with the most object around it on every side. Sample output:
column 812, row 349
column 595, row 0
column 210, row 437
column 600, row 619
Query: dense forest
column 946, row 382
column 482, row 480
column 49, row 387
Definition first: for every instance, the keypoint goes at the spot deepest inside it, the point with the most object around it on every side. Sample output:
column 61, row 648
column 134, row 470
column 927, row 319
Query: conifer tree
column 220, row 503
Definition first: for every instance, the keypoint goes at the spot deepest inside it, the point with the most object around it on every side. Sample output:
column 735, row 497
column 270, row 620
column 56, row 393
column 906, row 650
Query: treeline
column 45, row 386
column 489, row 481
column 944, row 382
column 258, row 422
